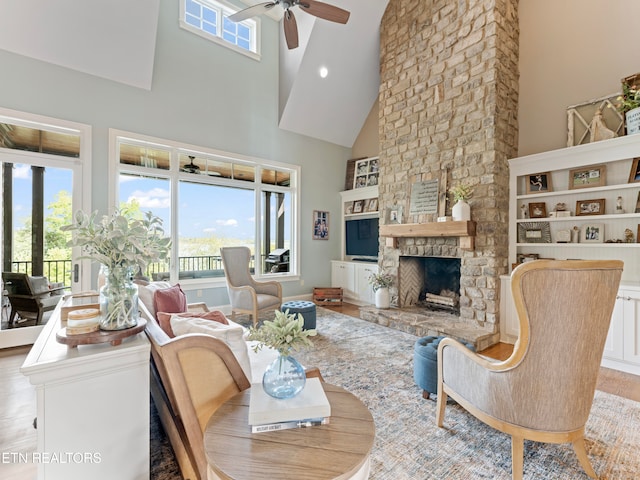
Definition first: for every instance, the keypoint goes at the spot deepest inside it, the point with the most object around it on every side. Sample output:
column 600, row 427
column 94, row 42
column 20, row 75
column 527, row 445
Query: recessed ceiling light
column 324, row 71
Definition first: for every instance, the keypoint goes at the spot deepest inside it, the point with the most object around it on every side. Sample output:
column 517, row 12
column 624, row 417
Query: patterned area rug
column 375, row 363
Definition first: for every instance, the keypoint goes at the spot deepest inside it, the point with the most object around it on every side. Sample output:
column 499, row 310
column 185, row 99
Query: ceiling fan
column 191, row 167
column 313, row 7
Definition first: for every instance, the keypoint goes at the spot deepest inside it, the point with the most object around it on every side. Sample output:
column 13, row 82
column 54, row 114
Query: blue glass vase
column 284, row 378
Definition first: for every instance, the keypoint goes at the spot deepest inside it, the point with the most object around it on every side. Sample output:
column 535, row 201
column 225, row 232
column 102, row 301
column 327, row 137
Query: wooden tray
column 114, row 337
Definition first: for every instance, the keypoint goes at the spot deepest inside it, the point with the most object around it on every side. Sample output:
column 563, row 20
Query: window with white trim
column 210, row 19
column 209, row 199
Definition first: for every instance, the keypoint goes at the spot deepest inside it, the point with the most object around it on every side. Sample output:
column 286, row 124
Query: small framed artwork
column 590, row 207
column 638, row 204
column 634, row 175
column 592, row 233
column 394, row 214
column 320, row 225
column 365, row 173
column 587, row 177
column 372, row 205
column 348, row 208
column 534, row 232
column 538, row 210
column 539, row 182
column 358, row 206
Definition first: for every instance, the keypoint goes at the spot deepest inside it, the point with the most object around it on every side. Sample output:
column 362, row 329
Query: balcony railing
column 206, row 266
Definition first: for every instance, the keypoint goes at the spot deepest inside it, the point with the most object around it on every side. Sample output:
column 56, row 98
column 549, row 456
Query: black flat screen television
column 362, row 237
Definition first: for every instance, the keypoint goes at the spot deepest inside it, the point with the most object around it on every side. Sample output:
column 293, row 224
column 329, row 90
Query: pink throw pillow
column 170, row 300
column 164, row 319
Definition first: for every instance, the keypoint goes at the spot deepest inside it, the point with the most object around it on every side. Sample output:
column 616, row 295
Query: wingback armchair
column 30, row 297
column 245, row 294
column 544, row 390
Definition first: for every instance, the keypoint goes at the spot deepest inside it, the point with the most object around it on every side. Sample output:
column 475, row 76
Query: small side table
column 339, row 450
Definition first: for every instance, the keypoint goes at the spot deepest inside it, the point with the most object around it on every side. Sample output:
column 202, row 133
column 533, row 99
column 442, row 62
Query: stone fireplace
column 432, row 283
column 448, row 112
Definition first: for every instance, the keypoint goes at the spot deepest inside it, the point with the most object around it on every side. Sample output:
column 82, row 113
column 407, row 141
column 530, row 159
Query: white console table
column 92, row 407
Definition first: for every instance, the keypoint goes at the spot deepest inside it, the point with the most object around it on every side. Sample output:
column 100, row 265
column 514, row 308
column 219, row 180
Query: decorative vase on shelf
column 461, row 211
column 284, row 378
column 633, row 121
column 118, row 299
column 382, row 298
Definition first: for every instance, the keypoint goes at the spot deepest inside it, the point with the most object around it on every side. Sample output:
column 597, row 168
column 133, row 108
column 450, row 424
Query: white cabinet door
column 614, row 346
column 631, row 309
column 363, row 288
column 509, row 325
column 343, row 275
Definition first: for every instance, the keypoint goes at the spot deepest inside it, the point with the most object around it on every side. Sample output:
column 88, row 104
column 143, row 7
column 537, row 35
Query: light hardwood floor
column 18, row 400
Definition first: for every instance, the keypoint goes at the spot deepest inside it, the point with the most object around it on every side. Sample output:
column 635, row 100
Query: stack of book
column 309, row 408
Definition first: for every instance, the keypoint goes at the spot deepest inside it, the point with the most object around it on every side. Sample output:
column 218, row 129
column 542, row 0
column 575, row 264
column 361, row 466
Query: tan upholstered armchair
column 544, row 390
column 245, row 294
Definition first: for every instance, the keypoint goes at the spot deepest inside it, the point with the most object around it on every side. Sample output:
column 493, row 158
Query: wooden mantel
column 465, row 230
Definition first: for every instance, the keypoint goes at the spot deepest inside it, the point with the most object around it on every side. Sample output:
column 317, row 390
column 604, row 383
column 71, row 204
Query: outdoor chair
column 245, row 294
column 30, row 297
column 544, row 390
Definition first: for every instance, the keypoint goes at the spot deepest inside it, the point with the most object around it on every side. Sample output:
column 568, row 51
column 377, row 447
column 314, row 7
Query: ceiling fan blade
column 290, row 29
column 252, row 11
column 324, row 11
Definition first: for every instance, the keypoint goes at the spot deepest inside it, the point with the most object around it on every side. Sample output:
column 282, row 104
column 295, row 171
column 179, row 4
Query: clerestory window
column 209, row 19
column 209, row 199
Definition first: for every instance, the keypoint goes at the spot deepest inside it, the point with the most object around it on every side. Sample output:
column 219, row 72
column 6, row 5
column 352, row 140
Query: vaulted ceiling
column 116, row 40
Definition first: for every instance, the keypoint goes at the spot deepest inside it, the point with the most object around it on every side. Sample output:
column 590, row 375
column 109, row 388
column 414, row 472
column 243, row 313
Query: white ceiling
column 116, row 40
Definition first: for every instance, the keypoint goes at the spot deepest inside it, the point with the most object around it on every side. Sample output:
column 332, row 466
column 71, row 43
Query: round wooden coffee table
column 338, row 450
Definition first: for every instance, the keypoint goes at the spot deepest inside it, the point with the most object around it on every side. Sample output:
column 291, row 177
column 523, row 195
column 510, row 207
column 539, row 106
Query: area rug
column 375, row 363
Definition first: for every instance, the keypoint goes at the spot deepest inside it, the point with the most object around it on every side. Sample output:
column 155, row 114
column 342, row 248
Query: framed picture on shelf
column 634, row 175
column 587, row 177
column 638, row 204
column 372, row 205
column 365, row 173
column 538, row 210
column 592, row 233
column 320, row 225
column 590, row 207
column 348, row 208
column 358, row 206
column 534, row 232
column 539, row 182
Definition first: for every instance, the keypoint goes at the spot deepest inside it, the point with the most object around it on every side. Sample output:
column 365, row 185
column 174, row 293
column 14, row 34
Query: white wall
column 571, row 51
column 202, row 94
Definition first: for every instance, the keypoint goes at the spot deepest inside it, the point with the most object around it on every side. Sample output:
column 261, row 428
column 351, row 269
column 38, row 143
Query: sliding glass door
column 43, row 176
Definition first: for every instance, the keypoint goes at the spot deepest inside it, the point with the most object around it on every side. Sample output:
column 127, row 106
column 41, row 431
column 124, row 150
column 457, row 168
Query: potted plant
column 629, row 105
column 285, row 377
column 461, row 211
column 381, row 283
column 122, row 245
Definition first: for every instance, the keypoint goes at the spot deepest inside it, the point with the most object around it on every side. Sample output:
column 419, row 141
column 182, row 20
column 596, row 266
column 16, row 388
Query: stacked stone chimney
column 448, row 102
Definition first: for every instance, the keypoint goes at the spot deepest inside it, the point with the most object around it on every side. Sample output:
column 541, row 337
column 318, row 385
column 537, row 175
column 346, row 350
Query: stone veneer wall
column 448, row 101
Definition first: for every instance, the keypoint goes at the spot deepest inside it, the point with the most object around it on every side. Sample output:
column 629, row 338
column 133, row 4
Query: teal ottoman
column 306, row 309
column 425, row 363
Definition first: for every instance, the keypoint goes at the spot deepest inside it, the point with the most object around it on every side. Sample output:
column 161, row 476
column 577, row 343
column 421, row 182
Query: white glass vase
column 461, row 211
column 383, row 299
